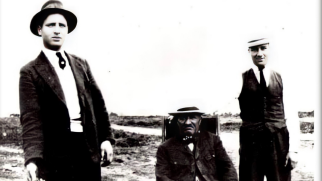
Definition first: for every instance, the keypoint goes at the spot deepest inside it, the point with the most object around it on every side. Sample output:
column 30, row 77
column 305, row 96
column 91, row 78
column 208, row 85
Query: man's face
column 259, row 55
column 188, row 124
column 54, row 31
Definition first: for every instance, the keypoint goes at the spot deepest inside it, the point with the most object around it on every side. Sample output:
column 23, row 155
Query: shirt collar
column 52, row 57
column 266, row 70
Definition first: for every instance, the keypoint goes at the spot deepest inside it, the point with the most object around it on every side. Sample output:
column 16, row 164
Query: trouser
column 76, row 165
column 263, row 153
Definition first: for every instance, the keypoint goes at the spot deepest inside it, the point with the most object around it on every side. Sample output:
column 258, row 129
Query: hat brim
column 186, row 112
column 69, row 16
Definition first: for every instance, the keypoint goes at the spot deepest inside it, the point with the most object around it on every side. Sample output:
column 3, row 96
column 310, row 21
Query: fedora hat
column 187, row 110
column 52, row 7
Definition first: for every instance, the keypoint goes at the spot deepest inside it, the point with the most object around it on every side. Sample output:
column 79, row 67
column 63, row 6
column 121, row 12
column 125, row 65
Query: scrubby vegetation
column 127, row 139
column 134, row 154
column 142, row 121
column 10, row 130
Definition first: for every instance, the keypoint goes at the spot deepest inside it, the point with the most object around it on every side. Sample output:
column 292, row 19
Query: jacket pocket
column 209, row 162
column 179, row 168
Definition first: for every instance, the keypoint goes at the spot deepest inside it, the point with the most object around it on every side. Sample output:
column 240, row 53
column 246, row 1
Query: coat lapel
column 178, row 146
column 48, row 73
column 201, row 144
column 79, row 75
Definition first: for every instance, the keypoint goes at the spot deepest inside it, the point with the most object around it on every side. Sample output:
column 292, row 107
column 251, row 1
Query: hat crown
column 52, row 7
column 252, row 41
column 188, row 109
column 258, row 41
column 52, row 4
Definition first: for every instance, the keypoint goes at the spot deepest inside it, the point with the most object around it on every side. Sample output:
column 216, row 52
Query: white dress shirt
column 67, row 82
column 190, row 145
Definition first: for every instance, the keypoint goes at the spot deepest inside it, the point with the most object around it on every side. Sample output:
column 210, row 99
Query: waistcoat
column 259, row 105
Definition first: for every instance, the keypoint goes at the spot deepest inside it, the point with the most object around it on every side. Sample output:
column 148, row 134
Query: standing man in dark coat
column 193, row 155
column 268, row 142
column 65, row 125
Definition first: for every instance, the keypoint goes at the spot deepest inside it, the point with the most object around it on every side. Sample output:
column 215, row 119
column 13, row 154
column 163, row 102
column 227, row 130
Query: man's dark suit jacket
column 44, row 115
column 175, row 161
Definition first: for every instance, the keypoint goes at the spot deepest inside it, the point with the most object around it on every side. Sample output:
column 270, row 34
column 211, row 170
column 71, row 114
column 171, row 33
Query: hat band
column 187, row 112
column 259, row 42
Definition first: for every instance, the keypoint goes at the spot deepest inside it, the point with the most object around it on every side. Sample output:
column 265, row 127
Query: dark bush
column 307, row 127
column 130, row 122
column 142, row 123
column 230, row 126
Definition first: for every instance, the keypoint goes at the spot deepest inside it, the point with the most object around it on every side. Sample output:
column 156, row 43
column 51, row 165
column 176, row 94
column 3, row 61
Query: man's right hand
column 32, row 172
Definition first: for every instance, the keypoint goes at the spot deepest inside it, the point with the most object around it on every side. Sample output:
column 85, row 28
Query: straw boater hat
column 52, row 7
column 256, row 42
column 187, row 110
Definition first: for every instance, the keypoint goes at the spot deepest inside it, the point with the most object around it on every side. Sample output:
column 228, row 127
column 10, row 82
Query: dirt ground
column 135, row 158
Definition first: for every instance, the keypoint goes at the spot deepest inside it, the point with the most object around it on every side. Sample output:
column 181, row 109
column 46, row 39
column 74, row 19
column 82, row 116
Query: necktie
column 262, row 80
column 62, row 61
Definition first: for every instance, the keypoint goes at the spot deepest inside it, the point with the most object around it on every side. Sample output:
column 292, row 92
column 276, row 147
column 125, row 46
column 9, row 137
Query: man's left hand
column 293, row 158
column 107, row 151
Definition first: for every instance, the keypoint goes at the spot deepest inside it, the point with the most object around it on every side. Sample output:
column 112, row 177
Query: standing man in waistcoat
column 268, row 141
column 65, row 125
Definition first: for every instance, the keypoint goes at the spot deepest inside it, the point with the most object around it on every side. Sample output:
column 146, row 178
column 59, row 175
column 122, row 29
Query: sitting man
column 193, row 154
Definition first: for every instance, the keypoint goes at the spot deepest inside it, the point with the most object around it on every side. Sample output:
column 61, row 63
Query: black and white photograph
column 160, row 90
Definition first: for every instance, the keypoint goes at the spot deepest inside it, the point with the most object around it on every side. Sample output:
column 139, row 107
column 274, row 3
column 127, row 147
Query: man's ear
column 39, row 30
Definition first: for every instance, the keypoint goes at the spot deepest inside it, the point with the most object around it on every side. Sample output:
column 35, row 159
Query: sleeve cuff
column 111, row 140
column 37, row 161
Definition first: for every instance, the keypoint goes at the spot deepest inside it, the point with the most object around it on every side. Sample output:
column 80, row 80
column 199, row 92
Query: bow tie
column 190, row 139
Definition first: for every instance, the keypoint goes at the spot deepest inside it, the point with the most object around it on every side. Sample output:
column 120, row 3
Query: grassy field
column 226, row 123
column 135, row 153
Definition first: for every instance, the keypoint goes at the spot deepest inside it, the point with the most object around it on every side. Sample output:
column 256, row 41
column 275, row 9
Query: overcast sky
column 152, row 57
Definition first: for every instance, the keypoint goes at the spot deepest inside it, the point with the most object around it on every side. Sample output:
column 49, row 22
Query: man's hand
column 293, row 158
column 32, row 172
column 107, row 151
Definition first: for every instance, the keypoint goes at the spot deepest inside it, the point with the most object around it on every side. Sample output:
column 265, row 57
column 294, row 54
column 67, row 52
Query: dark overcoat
column 44, row 115
column 175, row 161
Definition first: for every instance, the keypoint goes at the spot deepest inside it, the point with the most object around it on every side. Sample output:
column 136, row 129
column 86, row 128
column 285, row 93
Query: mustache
column 188, row 126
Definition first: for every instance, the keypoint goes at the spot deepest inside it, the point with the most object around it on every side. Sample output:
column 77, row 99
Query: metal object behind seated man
column 193, row 154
